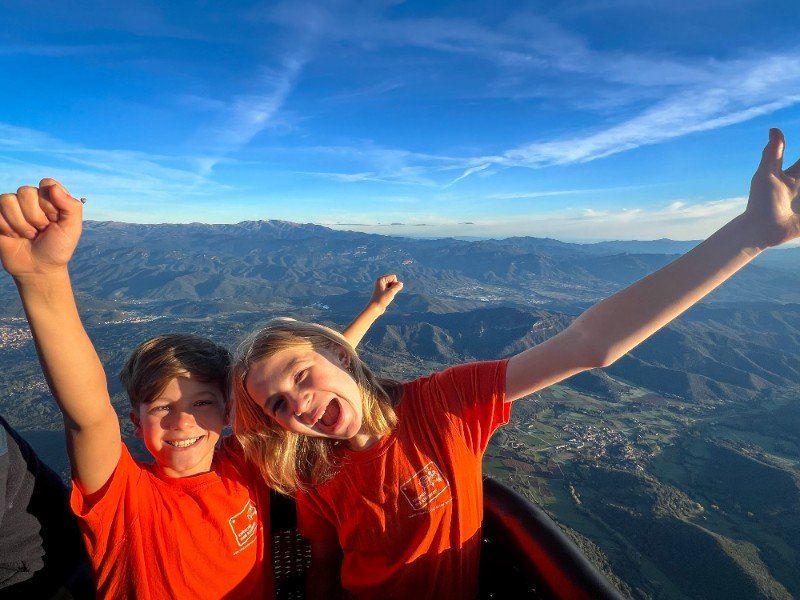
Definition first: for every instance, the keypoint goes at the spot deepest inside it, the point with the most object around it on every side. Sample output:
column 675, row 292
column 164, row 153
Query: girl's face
column 310, row 393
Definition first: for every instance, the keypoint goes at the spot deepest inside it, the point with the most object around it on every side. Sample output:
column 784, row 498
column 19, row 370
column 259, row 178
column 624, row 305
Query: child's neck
column 362, row 441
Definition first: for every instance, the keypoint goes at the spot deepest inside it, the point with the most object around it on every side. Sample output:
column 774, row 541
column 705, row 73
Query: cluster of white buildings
column 14, row 337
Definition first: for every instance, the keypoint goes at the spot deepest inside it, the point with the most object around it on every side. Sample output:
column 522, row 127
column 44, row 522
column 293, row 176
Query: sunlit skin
column 181, row 426
column 297, row 387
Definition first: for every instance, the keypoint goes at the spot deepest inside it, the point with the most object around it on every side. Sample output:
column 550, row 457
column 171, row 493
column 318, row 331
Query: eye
column 278, row 404
column 300, row 375
column 160, row 408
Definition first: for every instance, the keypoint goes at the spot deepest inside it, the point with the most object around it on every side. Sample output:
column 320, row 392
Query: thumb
column 772, row 157
column 70, row 210
column 62, row 200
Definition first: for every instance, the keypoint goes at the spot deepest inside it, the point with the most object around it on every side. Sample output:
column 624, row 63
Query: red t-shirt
column 407, row 512
column 154, row 537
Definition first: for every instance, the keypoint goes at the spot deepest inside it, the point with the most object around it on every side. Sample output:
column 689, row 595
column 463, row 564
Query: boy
column 192, row 524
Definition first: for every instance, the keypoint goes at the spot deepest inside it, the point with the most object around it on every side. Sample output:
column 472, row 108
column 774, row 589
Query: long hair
column 290, row 461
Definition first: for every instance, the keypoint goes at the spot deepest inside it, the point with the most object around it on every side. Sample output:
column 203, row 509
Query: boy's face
column 182, row 425
column 310, row 393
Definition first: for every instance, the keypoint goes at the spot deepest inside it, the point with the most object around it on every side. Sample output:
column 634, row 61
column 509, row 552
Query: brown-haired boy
column 191, row 524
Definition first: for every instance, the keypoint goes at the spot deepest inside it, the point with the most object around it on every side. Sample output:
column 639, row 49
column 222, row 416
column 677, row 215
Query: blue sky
column 609, row 119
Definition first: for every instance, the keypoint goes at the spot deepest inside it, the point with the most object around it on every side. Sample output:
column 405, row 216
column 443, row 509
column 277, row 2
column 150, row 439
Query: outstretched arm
column 613, row 327
column 39, row 230
column 386, row 288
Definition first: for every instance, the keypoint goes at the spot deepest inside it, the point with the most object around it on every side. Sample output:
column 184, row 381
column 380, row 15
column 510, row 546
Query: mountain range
column 658, row 453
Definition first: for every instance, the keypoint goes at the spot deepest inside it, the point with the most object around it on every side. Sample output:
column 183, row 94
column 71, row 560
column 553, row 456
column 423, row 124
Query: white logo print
column 424, row 486
column 244, row 524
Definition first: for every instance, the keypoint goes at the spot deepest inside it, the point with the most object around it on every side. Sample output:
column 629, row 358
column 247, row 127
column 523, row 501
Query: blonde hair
column 290, row 461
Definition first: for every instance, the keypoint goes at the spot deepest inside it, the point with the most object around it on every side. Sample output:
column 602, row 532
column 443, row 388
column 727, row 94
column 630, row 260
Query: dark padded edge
column 537, row 540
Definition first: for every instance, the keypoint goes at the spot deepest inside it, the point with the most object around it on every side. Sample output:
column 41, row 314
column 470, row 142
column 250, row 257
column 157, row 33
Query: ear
column 134, row 416
column 342, row 357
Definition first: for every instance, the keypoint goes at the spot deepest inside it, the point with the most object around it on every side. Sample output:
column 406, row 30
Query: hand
column 39, row 228
column 773, row 209
column 386, row 288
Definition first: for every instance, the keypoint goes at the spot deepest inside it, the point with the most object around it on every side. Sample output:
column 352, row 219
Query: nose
column 180, row 419
column 301, row 403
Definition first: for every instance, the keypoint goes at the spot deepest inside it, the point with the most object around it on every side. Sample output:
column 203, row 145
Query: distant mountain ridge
column 278, row 263
column 640, row 458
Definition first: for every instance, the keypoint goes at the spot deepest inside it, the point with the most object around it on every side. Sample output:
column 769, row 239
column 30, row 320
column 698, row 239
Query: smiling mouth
column 184, row 443
column 331, row 415
column 328, row 418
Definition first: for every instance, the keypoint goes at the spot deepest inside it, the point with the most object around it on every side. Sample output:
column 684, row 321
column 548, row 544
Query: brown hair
column 289, row 461
column 155, row 362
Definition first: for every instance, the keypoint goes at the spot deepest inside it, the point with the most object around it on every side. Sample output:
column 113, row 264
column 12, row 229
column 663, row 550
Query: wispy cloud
column 573, row 192
column 667, row 97
column 244, row 116
column 468, row 172
column 678, row 220
column 736, row 92
column 759, row 88
column 98, row 172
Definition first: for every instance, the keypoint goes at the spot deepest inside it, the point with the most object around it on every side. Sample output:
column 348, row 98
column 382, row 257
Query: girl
column 388, row 475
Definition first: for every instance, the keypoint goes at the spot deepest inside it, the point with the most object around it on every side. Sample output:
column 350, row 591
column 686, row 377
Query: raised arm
column 613, row 327
column 39, row 230
column 386, row 288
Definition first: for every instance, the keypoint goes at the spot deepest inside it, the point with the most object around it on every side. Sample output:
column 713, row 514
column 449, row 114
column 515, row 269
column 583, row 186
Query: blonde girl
column 388, row 475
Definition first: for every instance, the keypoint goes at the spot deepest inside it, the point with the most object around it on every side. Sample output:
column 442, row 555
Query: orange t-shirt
column 407, row 512
column 155, row 537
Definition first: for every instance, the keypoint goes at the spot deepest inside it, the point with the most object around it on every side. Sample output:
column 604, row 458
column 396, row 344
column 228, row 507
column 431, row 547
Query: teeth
column 184, row 443
column 320, row 413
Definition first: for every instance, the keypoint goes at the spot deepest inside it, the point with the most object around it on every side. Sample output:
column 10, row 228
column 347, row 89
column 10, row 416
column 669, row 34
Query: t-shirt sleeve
column 311, row 520
column 100, row 514
column 474, row 396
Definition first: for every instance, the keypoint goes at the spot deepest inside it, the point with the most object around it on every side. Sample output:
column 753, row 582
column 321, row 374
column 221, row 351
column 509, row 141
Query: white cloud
column 135, row 176
column 667, row 97
column 736, row 92
column 244, row 116
column 678, row 220
column 551, row 193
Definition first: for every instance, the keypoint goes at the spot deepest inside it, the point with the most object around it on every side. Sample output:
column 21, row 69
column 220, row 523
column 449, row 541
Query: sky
column 576, row 120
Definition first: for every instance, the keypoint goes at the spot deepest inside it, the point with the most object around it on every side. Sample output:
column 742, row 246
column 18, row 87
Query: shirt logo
column 244, row 524
column 424, row 486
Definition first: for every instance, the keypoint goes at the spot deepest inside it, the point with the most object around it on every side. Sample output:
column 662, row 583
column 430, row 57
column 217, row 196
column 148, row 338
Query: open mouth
column 187, row 443
column 328, row 420
column 331, row 415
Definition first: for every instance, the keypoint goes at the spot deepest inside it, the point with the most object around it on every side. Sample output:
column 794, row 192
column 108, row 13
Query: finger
column 28, row 197
column 58, row 196
column 44, row 198
column 794, row 170
column 5, row 228
column 12, row 213
column 395, row 287
column 49, row 182
column 50, row 211
column 772, row 156
column 68, row 209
